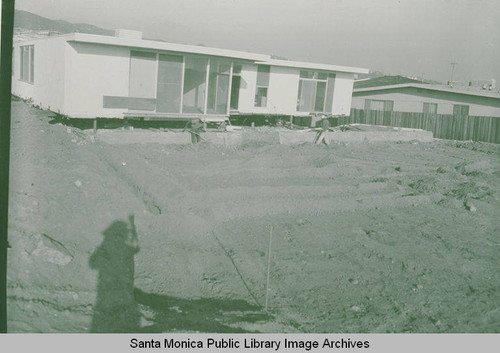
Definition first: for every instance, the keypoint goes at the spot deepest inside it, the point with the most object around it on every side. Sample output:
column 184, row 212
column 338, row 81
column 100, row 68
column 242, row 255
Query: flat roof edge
column 317, row 66
column 193, row 49
column 426, row 87
column 66, row 36
column 158, row 45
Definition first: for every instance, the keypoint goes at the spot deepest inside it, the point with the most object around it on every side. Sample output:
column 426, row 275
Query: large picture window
column 142, row 75
column 167, row 83
column 27, row 72
column 380, row 105
column 218, row 87
column 315, row 91
column 195, row 73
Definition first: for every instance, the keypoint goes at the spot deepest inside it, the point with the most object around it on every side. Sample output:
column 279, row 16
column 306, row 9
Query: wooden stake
column 268, row 265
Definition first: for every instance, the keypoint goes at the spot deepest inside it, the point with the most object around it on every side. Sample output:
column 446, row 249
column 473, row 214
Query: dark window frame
column 262, row 85
column 460, row 109
column 388, row 105
column 430, row 108
column 323, row 79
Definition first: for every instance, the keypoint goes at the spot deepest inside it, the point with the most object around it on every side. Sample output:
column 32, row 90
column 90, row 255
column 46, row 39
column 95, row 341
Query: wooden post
column 268, row 266
column 207, row 77
column 489, row 129
column 465, row 128
column 95, row 126
column 291, row 120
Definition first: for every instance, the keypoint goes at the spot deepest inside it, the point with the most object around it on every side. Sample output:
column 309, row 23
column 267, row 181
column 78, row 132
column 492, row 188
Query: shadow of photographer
column 115, row 309
column 119, row 304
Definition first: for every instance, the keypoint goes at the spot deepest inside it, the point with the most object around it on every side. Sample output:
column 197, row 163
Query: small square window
column 430, row 108
column 459, row 109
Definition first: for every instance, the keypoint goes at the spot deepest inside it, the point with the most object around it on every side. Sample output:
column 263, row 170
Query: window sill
column 31, row 83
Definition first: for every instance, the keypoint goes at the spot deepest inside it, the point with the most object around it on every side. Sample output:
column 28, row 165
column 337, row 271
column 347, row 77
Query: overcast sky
column 409, row 37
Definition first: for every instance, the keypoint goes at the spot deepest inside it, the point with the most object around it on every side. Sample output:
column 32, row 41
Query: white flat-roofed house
column 94, row 76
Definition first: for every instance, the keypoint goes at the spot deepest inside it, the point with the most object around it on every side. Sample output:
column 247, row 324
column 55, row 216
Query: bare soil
column 367, row 237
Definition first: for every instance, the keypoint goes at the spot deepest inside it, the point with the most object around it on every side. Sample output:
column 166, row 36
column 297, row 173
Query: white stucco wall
column 342, row 93
column 283, row 92
column 48, row 87
column 414, row 103
column 72, row 77
column 247, row 88
column 94, row 71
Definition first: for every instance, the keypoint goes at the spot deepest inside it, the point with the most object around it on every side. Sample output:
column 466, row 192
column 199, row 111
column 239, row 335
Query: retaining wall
column 285, row 137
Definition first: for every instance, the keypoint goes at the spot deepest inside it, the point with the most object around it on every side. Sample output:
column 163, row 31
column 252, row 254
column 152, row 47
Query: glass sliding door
column 306, row 96
column 319, row 104
column 235, row 86
column 330, row 86
column 169, row 86
column 195, row 73
column 315, row 91
column 142, row 75
column 218, row 87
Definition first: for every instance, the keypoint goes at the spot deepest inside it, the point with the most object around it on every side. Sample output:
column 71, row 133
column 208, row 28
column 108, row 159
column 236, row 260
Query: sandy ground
column 382, row 237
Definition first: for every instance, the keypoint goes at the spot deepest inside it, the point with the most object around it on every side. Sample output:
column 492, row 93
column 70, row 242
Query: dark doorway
column 235, row 92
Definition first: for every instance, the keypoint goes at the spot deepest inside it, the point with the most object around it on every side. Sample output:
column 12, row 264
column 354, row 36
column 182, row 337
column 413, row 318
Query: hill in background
column 28, row 25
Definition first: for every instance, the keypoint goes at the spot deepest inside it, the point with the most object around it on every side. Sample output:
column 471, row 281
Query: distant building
column 384, row 81
column 89, row 76
column 427, row 98
column 489, row 85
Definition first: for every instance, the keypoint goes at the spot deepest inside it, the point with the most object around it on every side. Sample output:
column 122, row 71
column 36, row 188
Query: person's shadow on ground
column 118, row 302
column 200, row 315
column 115, row 309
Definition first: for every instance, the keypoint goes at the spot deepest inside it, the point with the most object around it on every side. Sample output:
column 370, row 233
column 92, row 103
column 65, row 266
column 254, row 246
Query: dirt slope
column 395, row 237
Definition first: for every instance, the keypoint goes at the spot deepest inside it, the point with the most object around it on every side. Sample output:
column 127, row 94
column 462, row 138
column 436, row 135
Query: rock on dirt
column 470, row 206
column 49, row 249
column 356, row 308
column 302, row 222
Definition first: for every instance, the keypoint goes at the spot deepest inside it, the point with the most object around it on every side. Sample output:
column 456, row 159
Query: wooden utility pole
column 453, row 64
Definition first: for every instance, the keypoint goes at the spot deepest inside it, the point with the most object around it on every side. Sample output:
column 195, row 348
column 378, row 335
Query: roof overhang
column 164, row 46
column 200, row 50
column 314, row 66
column 428, row 87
